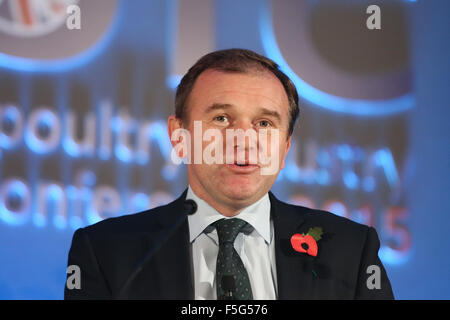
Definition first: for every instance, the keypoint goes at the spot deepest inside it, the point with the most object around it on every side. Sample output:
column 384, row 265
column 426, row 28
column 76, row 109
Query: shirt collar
column 257, row 215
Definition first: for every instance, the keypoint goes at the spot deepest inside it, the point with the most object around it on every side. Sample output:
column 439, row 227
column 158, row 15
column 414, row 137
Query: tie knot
column 228, row 229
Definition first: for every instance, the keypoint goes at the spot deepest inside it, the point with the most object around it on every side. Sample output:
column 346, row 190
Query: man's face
column 223, row 101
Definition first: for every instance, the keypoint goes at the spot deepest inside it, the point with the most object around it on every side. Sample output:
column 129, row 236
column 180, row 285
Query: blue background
column 33, row 259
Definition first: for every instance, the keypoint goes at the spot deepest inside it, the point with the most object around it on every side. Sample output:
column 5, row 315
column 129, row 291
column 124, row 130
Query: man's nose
column 247, row 136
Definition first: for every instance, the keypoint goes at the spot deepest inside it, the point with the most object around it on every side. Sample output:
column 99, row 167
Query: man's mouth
column 245, row 163
column 242, row 167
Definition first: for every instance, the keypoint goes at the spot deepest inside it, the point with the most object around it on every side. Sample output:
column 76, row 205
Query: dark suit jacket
column 110, row 251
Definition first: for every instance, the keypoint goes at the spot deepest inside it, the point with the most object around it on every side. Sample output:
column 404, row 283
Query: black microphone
column 228, row 286
column 190, row 207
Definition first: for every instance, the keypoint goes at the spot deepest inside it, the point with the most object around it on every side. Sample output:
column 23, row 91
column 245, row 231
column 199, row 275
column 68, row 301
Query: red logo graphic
column 30, row 18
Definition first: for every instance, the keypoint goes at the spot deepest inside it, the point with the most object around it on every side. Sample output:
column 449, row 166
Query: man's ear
column 174, row 123
column 288, row 146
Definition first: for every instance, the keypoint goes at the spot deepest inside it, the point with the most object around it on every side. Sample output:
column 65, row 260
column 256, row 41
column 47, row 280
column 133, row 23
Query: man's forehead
column 215, row 85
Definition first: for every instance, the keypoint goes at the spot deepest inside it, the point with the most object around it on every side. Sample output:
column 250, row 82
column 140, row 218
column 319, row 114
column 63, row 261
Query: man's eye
column 221, row 118
column 264, row 123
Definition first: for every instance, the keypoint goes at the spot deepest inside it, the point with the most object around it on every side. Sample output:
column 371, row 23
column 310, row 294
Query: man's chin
column 241, row 194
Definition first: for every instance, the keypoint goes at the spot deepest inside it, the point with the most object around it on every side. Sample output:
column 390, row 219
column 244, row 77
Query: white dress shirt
column 255, row 246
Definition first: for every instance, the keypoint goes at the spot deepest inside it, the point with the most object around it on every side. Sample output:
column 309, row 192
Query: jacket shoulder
column 143, row 221
column 329, row 222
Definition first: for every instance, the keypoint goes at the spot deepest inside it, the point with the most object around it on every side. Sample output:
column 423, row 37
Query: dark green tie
column 228, row 261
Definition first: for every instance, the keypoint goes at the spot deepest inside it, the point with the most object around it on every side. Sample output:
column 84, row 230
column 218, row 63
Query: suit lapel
column 294, row 280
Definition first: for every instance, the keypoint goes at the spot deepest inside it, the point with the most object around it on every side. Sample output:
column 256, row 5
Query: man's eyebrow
column 271, row 113
column 218, row 106
column 225, row 106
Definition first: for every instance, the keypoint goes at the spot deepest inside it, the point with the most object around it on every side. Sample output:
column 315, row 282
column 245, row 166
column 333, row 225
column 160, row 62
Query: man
column 241, row 242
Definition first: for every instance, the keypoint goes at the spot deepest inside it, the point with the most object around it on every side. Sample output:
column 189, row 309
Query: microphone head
column 190, row 206
column 228, row 283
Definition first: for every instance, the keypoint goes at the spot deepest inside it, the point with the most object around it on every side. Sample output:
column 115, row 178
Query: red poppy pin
column 307, row 243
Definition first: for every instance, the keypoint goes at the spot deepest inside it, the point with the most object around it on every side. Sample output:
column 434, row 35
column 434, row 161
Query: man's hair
column 238, row 61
